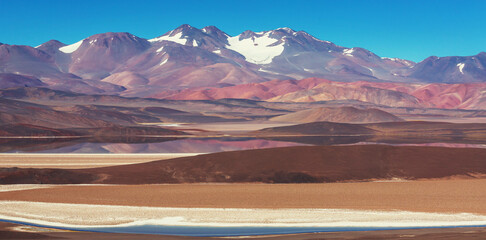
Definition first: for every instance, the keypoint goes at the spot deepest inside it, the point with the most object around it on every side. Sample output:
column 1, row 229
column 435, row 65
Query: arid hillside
column 338, row 114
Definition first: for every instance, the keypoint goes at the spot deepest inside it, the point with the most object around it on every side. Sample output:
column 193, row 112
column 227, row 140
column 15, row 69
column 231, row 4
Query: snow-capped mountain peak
column 214, row 31
column 258, row 48
column 71, row 48
column 286, row 29
column 209, row 37
column 179, row 35
column 188, row 57
column 177, row 38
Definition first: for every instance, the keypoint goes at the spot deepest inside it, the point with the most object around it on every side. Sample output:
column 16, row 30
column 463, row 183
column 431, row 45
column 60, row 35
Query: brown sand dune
column 317, row 128
column 280, row 165
column 338, row 114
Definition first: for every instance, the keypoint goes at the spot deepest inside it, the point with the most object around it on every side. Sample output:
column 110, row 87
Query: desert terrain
column 397, row 194
column 122, row 171
column 190, row 129
column 146, row 161
column 250, row 203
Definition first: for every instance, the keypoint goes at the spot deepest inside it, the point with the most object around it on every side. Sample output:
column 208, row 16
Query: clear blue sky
column 409, row 29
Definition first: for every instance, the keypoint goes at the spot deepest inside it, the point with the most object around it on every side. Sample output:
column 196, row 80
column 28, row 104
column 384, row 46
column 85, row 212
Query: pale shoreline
column 22, row 187
column 413, row 204
column 82, row 160
column 82, row 215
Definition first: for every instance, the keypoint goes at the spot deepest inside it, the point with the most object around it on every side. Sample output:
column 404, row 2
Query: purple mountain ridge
column 188, row 57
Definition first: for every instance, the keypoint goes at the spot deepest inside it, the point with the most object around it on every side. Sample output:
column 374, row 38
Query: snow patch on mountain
column 398, row 60
column 163, row 62
column 257, row 49
column 267, row 71
column 71, row 48
column 348, row 52
column 177, row 38
column 286, row 29
column 314, row 38
column 372, row 71
column 461, row 67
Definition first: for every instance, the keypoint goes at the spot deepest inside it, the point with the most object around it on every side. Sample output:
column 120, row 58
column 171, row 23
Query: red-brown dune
column 280, row 165
column 423, row 129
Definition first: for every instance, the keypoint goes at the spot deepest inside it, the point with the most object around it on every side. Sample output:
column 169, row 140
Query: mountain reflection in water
column 206, row 145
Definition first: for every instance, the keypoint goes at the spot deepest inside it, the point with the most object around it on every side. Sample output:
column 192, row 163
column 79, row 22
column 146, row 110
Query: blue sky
column 409, row 29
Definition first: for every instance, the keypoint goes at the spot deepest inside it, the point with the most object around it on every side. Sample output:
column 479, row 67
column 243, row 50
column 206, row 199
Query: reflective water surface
column 205, row 231
column 206, row 145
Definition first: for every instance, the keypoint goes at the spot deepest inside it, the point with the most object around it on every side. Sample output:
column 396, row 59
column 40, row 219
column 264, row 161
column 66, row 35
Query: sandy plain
column 452, row 197
column 446, row 196
column 392, row 203
column 96, row 216
column 79, row 160
column 402, row 203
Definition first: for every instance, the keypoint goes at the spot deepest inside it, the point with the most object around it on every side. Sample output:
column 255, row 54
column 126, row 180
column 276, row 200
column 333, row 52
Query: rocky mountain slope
column 421, row 95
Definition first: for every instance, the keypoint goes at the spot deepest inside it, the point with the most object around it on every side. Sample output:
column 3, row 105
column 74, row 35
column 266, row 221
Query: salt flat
column 72, row 215
column 20, row 187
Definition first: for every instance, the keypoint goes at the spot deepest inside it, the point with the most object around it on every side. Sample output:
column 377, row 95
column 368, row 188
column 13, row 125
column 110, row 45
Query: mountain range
column 190, row 58
column 415, row 95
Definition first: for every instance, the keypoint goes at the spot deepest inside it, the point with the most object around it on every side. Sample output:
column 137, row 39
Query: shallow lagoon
column 205, row 231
